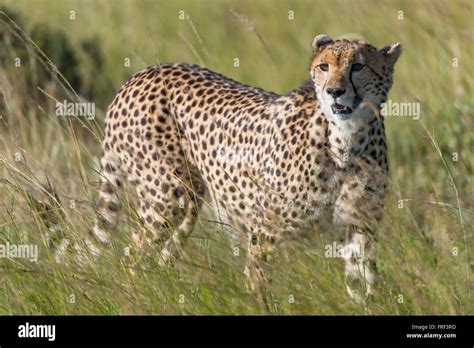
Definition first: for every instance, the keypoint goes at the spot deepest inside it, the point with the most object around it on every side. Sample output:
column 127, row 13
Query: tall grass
column 425, row 241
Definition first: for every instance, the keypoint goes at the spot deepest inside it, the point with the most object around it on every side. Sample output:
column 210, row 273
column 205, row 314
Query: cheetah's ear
column 320, row 41
column 391, row 53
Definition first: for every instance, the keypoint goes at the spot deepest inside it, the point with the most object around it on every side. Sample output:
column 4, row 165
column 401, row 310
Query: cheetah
column 271, row 164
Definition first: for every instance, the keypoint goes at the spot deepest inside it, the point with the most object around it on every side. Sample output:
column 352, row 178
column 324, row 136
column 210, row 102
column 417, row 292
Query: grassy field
column 426, row 238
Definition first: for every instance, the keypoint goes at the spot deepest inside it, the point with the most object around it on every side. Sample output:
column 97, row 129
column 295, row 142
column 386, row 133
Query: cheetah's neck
column 346, row 143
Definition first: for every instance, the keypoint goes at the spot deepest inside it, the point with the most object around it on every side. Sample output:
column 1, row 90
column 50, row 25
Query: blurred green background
column 425, row 247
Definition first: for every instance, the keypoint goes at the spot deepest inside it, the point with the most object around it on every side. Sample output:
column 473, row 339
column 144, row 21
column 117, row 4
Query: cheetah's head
column 351, row 78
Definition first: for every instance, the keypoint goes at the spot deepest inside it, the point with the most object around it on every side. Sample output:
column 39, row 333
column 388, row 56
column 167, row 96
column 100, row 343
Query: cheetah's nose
column 335, row 92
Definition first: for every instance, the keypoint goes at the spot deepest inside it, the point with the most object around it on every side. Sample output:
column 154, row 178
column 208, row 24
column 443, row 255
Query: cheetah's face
column 351, row 77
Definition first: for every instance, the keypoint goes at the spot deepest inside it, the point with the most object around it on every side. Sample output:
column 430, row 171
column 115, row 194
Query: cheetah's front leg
column 358, row 210
column 261, row 245
column 359, row 263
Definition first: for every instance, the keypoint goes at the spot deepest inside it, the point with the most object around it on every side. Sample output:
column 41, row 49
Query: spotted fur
column 272, row 164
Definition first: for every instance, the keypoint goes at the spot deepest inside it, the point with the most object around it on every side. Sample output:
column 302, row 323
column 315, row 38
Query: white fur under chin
column 354, row 123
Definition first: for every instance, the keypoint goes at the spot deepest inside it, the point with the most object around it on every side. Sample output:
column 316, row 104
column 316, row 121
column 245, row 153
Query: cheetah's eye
column 323, row 67
column 357, row 66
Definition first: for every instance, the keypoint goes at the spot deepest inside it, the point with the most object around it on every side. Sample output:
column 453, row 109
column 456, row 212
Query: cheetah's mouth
column 341, row 109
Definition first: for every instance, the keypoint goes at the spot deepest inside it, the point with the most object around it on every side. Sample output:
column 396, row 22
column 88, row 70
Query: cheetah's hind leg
column 108, row 210
column 174, row 245
column 169, row 209
column 83, row 251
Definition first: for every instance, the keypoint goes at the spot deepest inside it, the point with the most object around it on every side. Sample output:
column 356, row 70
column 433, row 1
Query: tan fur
column 273, row 163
